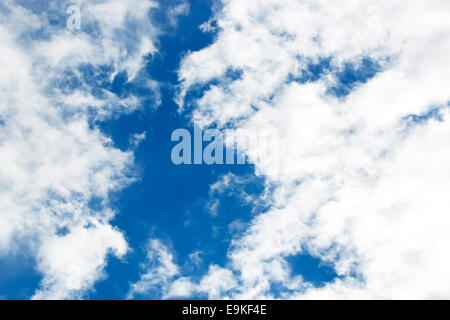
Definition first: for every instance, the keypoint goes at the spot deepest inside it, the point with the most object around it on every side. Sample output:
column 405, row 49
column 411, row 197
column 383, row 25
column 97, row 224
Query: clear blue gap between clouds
column 169, row 202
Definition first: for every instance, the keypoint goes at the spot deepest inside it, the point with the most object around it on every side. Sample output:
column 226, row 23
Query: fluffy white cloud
column 358, row 183
column 57, row 170
column 74, row 262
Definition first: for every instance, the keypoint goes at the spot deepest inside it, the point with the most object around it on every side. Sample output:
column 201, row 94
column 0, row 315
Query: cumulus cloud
column 58, row 170
column 361, row 175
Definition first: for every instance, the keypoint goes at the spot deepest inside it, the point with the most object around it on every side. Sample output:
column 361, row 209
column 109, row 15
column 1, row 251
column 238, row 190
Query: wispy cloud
column 159, row 270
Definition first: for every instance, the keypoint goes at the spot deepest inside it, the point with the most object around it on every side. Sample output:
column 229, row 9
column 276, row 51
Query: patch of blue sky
column 352, row 75
column 348, row 76
column 18, row 277
column 312, row 269
column 313, row 71
column 433, row 113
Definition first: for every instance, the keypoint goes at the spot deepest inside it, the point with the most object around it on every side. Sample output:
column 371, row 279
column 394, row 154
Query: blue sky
column 352, row 104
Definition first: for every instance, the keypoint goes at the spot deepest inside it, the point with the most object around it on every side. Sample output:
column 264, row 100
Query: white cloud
column 55, row 166
column 163, row 278
column 180, row 288
column 360, row 186
column 122, row 34
column 74, row 262
column 159, row 270
column 216, row 284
